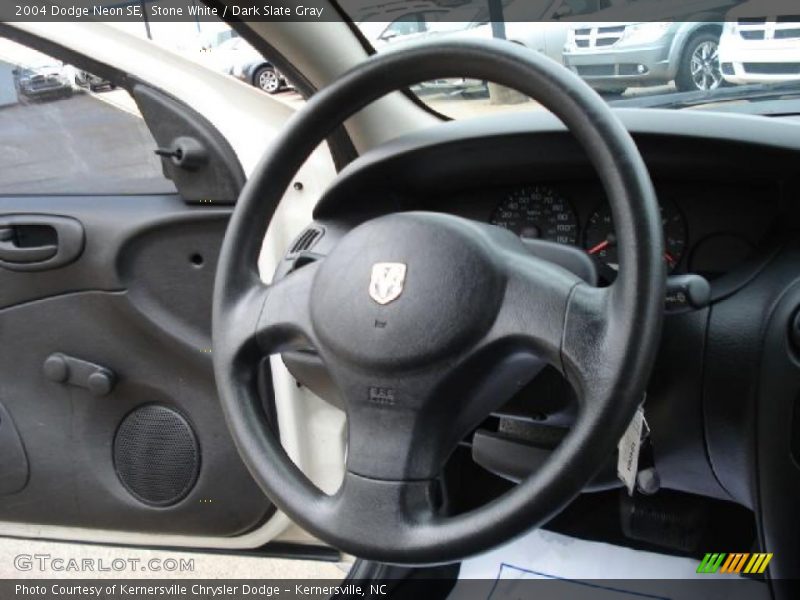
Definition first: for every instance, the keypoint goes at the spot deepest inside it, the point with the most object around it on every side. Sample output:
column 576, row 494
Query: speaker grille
column 156, row 455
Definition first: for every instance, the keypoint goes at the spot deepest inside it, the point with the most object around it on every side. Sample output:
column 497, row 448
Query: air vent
column 305, row 241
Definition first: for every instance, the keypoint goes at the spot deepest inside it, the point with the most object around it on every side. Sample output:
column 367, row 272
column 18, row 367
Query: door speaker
column 156, row 455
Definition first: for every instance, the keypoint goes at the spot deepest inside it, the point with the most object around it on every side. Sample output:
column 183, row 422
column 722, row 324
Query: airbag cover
column 446, row 299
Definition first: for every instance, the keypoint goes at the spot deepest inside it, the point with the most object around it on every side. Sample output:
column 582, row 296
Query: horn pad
column 436, row 288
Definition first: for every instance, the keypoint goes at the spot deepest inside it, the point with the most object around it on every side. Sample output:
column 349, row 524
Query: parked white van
column 760, row 43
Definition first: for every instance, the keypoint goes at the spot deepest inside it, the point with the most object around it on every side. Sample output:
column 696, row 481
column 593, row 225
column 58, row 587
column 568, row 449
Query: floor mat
column 548, row 565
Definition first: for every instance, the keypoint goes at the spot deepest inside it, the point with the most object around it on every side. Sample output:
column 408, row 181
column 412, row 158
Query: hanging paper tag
column 628, row 451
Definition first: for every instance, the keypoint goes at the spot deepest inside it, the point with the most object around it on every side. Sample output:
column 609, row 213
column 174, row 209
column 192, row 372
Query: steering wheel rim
column 605, row 343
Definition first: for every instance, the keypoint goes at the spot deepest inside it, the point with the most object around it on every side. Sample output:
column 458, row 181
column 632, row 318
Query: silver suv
column 614, row 56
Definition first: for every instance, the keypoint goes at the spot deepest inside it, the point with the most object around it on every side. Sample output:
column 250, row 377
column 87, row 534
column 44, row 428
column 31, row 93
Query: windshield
column 712, row 55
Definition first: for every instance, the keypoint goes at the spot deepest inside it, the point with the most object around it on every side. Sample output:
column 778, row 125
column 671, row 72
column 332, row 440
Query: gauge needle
column 670, row 258
column 599, row 247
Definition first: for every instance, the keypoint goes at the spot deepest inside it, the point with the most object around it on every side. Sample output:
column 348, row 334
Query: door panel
column 135, row 304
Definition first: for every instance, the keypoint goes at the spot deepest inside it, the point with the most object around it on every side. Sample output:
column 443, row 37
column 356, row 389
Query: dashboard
column 724, row 396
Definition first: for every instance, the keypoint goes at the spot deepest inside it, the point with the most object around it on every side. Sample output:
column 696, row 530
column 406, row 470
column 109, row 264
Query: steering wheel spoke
column 587, row 338
column 565, row 321
column 268, row 319
column 284, row 321
column 381, row 508
column 535, row 304
column 397, row 427
column 403, row 425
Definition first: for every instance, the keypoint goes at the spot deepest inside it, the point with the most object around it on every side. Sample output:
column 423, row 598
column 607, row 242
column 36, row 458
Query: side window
column 67, row 131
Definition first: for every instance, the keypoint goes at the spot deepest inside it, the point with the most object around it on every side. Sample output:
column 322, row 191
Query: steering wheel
column 426, row 322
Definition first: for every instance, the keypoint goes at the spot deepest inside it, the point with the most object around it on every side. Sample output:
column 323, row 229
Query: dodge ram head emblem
column 386, row 283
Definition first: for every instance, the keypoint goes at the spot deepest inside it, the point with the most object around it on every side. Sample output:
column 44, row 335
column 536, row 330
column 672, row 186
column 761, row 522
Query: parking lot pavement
column 78, row 144
column 204, row 566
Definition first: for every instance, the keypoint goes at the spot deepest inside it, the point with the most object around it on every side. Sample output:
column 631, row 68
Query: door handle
column 39, row 242
column 11, row 250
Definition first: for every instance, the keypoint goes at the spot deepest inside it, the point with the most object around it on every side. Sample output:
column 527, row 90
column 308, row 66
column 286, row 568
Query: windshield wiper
column 761, row 91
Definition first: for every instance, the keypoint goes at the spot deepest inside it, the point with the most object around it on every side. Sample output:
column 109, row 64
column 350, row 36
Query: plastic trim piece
column 219, row 177
column 14, row 469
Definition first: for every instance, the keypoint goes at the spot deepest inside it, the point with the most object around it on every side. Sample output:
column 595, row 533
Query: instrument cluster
column 543, row 212
column 710, row 227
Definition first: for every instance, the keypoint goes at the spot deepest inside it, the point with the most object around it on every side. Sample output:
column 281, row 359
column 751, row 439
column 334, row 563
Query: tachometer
column 538, row 212
column 601, row 242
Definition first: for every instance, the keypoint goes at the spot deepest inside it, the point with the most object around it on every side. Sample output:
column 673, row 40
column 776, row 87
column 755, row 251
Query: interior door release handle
column 11, row 250
column 39, row 242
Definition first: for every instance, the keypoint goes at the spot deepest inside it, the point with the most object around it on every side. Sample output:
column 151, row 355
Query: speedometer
column 538, row 212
